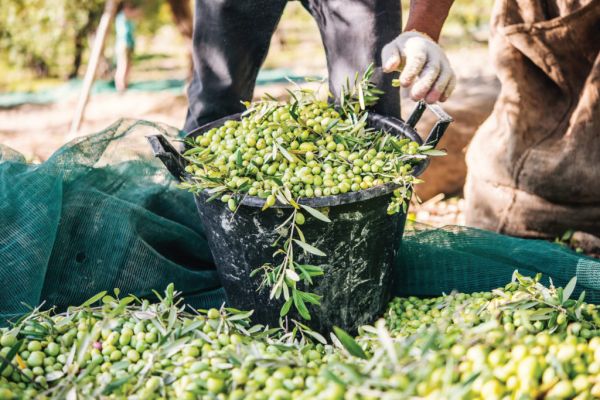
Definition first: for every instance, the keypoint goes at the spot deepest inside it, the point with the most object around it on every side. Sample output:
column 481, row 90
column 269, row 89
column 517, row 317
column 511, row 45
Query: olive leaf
column 542, row 314
column 265, row 206
column 349, row 343
column 332, row 124
column 312, row 270
column 240, row 316
column 310, row 297
column 286, row 307
column 94, row 299
column 361, row 97
column 581, row 298
column 315, row 213
column 114, row 385
column 285, row 290
column 434, row 152
column 10, row 355
column 330, row 375
column 300, row 234
column 285, row 153
column 316, row 335
column 54, row 375
column 560, row 294
column 192, row 151
column 192, row 327
column 121, row 305
column 309, row 248
column 300, row 306
column 568, row 291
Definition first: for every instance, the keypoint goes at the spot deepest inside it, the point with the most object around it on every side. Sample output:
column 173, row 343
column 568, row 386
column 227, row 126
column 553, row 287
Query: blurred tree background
column 45, row 41
column 46, row 37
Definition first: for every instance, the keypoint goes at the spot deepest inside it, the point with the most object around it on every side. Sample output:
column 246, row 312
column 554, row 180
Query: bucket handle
column 169, row 156
column 407, row 129
column 440, row 126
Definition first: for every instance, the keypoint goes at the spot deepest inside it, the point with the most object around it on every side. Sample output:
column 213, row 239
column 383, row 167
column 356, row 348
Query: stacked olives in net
column 523, row 341
column 145, row 351
column 306, row 146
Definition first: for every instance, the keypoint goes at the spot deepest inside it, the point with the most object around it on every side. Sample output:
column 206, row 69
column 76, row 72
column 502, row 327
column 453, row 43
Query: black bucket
column 360, row 242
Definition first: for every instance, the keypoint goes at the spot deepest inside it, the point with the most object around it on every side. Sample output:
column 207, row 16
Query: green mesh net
column 103, row 213
column 436, row 261
column 100, row 213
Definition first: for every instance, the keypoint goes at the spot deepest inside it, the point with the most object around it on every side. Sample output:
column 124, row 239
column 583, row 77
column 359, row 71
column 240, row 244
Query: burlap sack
column 534, row 165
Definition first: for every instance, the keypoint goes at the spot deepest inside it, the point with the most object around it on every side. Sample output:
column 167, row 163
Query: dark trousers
column 231, row 40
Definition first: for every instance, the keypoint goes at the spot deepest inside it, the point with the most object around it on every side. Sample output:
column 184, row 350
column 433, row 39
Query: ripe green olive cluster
column 523, row 341
column 520, row 342
column 157, row 351
column 306, row 147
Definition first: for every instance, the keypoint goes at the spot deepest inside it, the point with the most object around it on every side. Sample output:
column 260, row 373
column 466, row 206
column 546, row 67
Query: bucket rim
column 319, row 202
column 323, row 201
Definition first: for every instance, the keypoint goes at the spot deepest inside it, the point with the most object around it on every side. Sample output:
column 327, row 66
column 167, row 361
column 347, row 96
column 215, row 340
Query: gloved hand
column 424, row 66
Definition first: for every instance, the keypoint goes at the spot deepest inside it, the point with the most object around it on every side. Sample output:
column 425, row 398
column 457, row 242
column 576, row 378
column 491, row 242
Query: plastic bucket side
column 360, row 246
column 360, row 243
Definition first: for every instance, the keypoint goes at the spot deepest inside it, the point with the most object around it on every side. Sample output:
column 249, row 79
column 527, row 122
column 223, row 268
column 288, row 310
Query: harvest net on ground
column 102, row 212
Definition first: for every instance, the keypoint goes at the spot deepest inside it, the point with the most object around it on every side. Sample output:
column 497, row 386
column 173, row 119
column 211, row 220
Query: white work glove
column 424, row 66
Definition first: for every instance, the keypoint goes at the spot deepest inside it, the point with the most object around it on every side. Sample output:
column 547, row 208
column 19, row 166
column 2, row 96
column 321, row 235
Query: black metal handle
column 169, row 156
column 393, row 126
column 407, row 129
column 440, row 126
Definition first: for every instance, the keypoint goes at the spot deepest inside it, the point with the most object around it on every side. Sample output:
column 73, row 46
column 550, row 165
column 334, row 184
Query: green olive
column 213, row 313
column 215, row 385
column 35, row 359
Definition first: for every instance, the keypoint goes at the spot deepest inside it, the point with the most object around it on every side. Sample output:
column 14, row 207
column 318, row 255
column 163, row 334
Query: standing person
column 124, row 44
column 231, row 40
column 533, row 165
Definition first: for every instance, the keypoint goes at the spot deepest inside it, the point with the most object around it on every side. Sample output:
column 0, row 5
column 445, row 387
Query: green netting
column 436, row 261
column 102, row 212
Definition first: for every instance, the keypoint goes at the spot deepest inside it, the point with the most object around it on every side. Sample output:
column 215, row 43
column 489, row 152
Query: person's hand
column 424, row 66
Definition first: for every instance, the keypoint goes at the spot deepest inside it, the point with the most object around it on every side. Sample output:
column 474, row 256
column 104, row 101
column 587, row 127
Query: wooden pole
column 90, row 74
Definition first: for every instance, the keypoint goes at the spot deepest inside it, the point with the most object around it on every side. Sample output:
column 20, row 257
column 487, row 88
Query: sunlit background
column 45, row 46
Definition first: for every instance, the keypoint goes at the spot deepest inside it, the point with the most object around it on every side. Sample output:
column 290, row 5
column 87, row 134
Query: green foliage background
column 39, row 36
column 470, row 15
